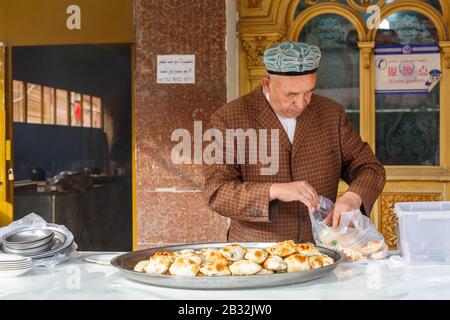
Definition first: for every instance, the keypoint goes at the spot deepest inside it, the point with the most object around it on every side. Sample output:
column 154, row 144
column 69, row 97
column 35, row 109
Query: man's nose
column 299, row 101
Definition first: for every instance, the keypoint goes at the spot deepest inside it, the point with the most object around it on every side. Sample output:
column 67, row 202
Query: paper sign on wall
column 407, row 68
column 176, row 69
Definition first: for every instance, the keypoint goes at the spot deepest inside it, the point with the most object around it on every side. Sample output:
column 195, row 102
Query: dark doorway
column 73, row 114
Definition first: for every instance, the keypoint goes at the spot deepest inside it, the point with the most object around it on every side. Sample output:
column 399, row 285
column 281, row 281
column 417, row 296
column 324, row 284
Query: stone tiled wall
column 170, row 202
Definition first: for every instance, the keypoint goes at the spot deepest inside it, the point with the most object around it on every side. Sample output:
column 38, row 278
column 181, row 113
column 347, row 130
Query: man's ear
column 265, row 83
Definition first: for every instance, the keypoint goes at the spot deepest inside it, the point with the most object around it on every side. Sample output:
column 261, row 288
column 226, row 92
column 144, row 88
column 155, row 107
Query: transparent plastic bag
column 35, row 221
column 355, row 237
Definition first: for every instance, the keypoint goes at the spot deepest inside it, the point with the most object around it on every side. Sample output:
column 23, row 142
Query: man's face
column 289, row 95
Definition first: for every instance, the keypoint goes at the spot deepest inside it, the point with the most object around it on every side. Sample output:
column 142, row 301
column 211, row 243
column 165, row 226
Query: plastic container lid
column 424, row 210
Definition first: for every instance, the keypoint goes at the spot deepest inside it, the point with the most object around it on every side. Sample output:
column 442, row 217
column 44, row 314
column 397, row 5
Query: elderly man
column 318, row 146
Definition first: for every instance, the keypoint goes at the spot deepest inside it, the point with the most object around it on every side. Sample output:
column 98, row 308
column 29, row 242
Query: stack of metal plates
column 36, row 243
column 12, row 265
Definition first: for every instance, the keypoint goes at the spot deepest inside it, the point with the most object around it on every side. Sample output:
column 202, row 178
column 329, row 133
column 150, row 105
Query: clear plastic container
column 424, row 231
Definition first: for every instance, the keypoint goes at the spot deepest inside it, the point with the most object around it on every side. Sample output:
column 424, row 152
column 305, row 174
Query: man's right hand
column 295, row 191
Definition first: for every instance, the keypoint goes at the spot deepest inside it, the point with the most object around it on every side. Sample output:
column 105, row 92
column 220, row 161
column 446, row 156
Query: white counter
column 77, row 279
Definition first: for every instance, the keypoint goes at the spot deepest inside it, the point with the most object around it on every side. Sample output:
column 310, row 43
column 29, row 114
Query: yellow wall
column 33, row 22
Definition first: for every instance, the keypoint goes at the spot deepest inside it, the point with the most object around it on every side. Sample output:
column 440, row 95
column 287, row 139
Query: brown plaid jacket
column 326, row 148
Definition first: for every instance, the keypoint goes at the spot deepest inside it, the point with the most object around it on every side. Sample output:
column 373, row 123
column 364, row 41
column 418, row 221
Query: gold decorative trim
column 255, row 45
column 445, row 46
column 366, row 85
column 265, row 16
column 328, row 8
column 256, row 8
column 364, row 4
column 366, row 48
column 444, row 112
column 447, row 59
column 417, row 6
column 290, row 14
column 445, row 6
column 388, row 221
column 417, row 173
column 254, row 4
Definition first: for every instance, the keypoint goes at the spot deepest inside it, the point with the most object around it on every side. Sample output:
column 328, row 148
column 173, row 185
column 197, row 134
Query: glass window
column 86, row 110
column 434, row 3
column 61, row 107
column 34, row 103
column 49, row 106
column 407, row 125
column 76, row 114
column 338, row 74
column 46, row 105
column 18, row 101
column 96, row 112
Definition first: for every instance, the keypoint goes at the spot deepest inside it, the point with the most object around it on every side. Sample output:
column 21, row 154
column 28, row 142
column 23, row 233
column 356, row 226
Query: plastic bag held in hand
column 356, row 237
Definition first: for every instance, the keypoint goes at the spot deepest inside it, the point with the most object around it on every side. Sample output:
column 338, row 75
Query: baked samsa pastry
column 307, row 249
column 215, row 269
column 213, row 255
column 352, row 255
column 256, row 255
column 264, row 271
column 327, row 260
column 372, row 246
column 141, row 265
column 158, row 264
column 244, row 268
column 275, row 263
column 190, row 254
column 168, row 254
column 183, row 252
column 184, row 267
column 378, row 255
column 282, row 249
column 335, row 239
column 233, row 252
column 297, row 262
column 315, row 262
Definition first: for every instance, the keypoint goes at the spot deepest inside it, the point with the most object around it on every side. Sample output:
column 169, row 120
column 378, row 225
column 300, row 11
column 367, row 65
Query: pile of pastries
column 236, row 260
column 353, row 245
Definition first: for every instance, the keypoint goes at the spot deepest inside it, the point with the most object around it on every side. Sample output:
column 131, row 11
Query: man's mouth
column 296, row 113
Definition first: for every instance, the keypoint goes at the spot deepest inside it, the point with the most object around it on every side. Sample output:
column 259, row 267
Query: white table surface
column 78, row 279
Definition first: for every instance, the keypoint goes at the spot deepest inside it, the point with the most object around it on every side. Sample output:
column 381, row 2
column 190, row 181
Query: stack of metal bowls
column 37, row 243
column 29, row 242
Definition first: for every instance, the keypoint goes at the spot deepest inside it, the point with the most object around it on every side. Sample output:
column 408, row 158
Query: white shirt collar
column 288, row 124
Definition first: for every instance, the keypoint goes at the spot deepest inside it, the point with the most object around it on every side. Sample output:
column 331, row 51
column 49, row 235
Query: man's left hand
column 348, row 202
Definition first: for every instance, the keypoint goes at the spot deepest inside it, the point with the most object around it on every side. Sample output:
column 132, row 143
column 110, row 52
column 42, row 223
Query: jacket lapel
column 307, row 119
column 267, row 118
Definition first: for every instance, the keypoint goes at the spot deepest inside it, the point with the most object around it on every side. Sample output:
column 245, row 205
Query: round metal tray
column 126, row 262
